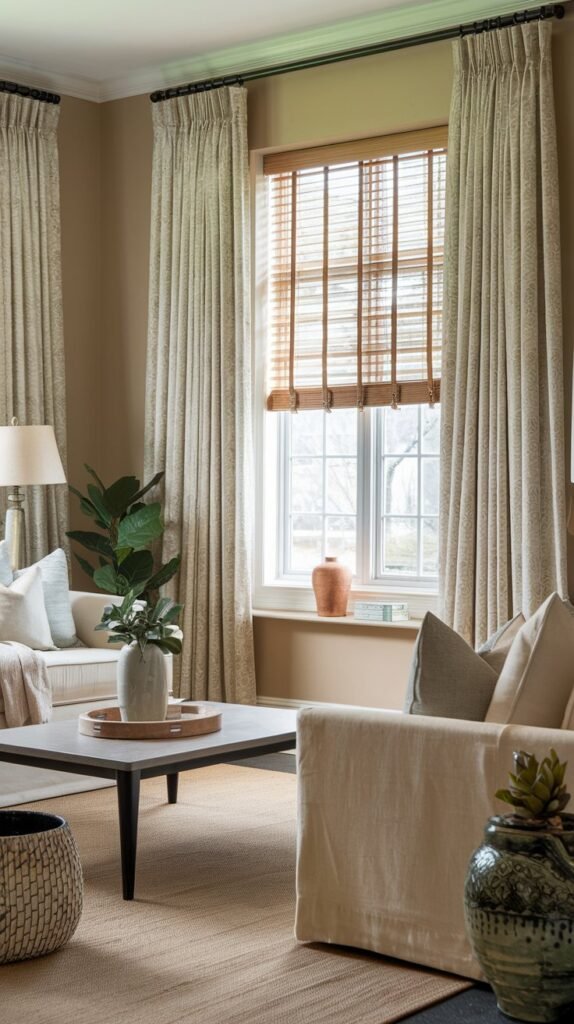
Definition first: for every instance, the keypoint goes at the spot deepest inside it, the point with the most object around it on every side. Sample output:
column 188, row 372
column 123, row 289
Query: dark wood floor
column 476, row 1005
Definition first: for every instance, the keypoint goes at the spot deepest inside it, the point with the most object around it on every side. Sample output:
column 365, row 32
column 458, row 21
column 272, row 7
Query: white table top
column 243, row 729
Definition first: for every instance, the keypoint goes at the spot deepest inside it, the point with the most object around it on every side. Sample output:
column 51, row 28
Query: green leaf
column 89, row 569
column 106, row 578
column 92, row 541
column 93, row 474
column 97, row 500
column 137, row 567
column 141, row 528
column 120, row 495
column 162, row 605
column 147, row 487
column 122, row 553
column 169, row 645
column 164, row 574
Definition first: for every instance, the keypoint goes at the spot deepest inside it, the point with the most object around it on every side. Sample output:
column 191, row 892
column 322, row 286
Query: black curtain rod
column 28, row 90
column 488, row 25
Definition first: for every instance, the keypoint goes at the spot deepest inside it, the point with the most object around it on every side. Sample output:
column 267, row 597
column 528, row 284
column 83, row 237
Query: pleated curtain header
column 356, row 248
column 216, row 106
column 27, row 114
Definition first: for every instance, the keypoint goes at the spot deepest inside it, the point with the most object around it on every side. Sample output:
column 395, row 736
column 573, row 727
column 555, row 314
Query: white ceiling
column 109, row 48
column 109, row 38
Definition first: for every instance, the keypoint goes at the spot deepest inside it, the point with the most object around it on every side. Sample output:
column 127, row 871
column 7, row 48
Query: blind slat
column 355, row 278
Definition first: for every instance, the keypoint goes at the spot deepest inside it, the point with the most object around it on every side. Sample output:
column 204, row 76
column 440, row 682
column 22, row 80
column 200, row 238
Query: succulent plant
column 537, row 791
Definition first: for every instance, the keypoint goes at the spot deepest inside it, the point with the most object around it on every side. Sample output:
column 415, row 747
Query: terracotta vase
column 331, row 583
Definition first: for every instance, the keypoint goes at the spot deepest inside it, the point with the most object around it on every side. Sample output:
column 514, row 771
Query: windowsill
column 336, row 620
column 286, row 599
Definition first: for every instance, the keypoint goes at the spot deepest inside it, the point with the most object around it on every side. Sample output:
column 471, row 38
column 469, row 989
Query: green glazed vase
column 519, row 910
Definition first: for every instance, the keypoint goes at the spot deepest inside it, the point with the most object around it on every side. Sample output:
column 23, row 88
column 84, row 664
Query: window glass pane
column 430, row 547
column 307, row 485
column 305, row 546
column 341, row 539
column 400, row 546
column 430, row 430
column 341, row 485
column 401, row 430
column 430, row 468
column 400, row 486
column 341, row 430
column 306, row 432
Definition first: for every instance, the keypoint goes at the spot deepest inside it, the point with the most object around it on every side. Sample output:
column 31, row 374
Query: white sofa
column 80, row 678
column 391, row 807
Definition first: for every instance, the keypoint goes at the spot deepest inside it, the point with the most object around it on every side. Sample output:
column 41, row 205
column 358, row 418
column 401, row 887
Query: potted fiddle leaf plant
column 148, row 633
column 127, row 527
column 519, row 894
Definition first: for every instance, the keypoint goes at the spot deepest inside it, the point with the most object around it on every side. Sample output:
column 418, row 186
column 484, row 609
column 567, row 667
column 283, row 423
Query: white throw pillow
column 54, row 572
column 447, row 679
column 6, row 575
column 23, row 615
column 538, row 675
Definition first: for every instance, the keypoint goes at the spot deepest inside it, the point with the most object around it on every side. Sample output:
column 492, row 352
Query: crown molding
column 380, row 27
column 69, row 85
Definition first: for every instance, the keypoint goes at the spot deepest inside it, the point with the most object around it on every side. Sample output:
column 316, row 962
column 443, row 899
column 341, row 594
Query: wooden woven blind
column 356, row 267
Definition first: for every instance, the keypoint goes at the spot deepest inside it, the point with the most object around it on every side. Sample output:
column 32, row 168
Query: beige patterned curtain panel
column 32, row 377
column 198, row 381
column 502, row 450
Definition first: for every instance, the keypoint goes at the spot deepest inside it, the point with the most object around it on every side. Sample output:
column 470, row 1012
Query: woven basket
column 40, row 884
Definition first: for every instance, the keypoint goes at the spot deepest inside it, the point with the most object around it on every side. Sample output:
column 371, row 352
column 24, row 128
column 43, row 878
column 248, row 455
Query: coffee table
column 245, row 731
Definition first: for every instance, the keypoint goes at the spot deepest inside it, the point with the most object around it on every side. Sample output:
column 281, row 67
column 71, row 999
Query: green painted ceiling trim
column 390, row 24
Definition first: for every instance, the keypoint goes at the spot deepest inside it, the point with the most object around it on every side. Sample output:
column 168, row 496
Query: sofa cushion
column 536, row 682
column 23, row 616
column 448, row 679
column 54, row 572
column 6, row 574
column 81, row 673
column 495, row 650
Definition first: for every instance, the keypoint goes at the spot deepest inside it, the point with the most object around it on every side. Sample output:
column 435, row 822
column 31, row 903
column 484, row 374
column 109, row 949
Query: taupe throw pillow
column 448, row 679
column 496, row 649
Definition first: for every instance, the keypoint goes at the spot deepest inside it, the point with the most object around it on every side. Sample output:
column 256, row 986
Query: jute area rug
column 209, row 937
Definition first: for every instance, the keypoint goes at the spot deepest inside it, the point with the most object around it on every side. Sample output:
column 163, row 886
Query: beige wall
column 345, row 664
column 391, row 92
column 126, row 190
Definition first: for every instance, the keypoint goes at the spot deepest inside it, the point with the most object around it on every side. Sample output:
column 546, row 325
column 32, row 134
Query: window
column 354, row 314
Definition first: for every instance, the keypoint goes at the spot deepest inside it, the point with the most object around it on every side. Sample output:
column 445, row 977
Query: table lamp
column 28, row 455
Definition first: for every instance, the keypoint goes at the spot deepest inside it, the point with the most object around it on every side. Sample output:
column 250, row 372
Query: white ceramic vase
column 142, row 684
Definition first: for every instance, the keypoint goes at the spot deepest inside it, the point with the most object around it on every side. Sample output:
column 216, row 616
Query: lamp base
column 14, row 529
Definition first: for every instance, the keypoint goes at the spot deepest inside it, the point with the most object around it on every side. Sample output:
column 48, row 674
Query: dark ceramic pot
column 519, row 909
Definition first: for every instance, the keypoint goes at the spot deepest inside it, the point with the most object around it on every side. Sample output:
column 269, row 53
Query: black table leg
column 128, row 806
column 172, row 781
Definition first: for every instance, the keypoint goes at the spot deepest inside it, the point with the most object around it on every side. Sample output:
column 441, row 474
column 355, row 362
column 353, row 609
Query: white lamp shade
column 29, row 455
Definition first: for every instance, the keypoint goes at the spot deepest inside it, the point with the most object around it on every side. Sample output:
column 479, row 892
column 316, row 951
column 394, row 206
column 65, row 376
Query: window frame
column 272, row 592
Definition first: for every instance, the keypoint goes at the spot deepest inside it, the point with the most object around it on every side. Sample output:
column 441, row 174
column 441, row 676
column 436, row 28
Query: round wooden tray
column 183, row 720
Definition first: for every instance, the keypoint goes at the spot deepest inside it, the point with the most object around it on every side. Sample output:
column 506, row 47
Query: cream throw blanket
column 25, row 697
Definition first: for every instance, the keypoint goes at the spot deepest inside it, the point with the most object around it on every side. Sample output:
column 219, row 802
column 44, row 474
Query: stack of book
column 381, row 611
